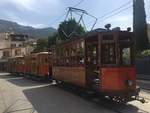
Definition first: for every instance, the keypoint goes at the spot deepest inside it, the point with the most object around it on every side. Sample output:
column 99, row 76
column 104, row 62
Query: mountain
column 8, row 26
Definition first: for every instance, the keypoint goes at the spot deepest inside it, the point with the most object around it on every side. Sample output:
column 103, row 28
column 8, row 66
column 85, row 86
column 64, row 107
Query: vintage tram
column 20, row 65
column 38, row 65
column 16, row 65
column 102, row 61
column 3, row 65
column 44, row 63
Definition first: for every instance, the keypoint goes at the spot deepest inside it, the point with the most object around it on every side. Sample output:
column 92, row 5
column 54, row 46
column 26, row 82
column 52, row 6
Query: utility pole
column 140, row 25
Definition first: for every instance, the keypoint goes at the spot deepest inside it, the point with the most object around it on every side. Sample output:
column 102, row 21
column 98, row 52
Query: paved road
column 144, row 84
column 20, row 95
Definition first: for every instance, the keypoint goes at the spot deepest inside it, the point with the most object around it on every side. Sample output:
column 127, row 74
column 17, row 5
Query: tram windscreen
column 125, row 54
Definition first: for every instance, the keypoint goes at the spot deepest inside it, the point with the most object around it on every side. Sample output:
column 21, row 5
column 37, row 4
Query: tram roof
column 93, row 33
column 102, row 30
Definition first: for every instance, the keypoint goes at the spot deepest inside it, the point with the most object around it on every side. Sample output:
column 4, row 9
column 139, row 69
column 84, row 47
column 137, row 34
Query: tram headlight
column 129, row 82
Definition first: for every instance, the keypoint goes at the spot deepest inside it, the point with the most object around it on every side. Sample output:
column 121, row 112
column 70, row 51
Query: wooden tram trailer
column 3, row 66
column 20, row 66
column 38, row 65
column 16, row 65
column 102, row 61
column 44, row 65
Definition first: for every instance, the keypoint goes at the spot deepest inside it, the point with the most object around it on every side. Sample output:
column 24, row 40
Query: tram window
column 67, row 61
column 92, row 55
column 82, row 44
column 78, row 46
column 108, row 54
column 80, row 51
column 81, row 60
column 125, row 56
column 94, row 52
column 46, row 60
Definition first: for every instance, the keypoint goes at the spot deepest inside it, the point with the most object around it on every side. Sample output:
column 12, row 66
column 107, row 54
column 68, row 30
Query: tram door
column 91, row 61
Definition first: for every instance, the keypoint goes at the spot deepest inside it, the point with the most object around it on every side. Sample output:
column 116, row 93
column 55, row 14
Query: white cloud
column 40, row 13
column 33, row 25
column 24, row 3
column 18, row 3
column 122, row 21
column 122, row 18
column 147, row 7
column 38, row 6
column 30, row 12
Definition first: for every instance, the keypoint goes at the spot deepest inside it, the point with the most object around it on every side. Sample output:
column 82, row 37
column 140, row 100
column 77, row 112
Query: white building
column 14, row 45
column 15, row 52
column 5, row 41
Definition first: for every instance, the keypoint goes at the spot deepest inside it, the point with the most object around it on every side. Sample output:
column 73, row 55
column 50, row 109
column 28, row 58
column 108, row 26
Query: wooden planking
column 73, row 75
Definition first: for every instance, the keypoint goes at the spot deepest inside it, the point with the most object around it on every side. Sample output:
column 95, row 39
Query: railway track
column 121, row 107
column 118, row 107
column 106, row 103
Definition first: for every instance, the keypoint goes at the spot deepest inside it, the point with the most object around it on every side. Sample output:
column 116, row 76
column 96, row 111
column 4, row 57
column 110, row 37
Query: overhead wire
column 113, row 12
column 105, row 16
column 57, row 19
column 117, row 13
column 78, row 3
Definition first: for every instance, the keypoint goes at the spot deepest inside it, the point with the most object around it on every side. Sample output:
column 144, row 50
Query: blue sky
column 43, row 13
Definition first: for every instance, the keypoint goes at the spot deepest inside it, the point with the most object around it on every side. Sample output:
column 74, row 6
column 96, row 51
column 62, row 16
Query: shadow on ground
column 6, row 76
column 52, row 99
column 23, row 82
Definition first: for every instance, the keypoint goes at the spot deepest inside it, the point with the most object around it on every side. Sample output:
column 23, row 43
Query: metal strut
column 81, row 13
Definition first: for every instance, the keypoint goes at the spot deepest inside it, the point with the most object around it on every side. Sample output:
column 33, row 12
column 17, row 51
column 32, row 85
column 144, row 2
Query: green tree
column 42, row 45
column 140, row 25
column 67, row 27
column 52, row 39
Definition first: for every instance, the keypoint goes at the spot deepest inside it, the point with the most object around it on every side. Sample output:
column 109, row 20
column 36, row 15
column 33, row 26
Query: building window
column 17, row 52
column 13, row 45
column 20, row 45
column 6, row 54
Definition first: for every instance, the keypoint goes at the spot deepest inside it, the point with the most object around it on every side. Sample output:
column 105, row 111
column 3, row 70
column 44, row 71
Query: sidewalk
column 144, row 84
column 143, row 77
column 2, row 101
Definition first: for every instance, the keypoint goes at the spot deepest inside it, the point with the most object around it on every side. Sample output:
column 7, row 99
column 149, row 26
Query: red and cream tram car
column 44, row 64
column 38, row 65
column 102, row 61
column 20, row 65
column 16, row 65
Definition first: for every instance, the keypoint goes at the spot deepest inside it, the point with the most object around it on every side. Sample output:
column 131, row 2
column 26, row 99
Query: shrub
column 145, row 53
